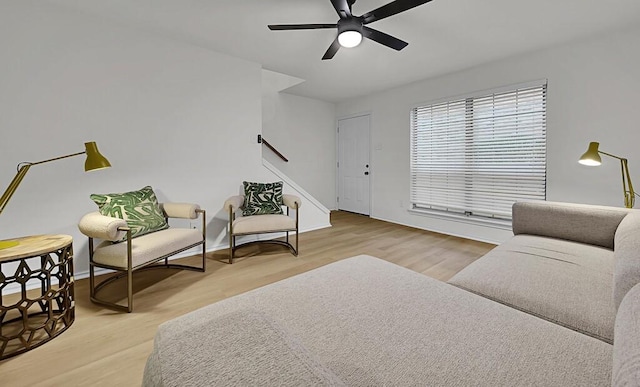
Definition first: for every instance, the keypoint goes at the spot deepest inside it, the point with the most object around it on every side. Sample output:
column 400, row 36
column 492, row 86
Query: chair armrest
column 96, row 225
column 235, row 202
column 180, row 210
column 291, row 201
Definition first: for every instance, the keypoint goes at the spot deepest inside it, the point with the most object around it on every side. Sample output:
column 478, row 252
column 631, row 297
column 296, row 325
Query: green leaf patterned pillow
column 262, row 198
column 140, row 209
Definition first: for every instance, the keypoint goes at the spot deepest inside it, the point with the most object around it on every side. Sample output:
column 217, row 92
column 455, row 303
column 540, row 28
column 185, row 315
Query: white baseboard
column 493, row 242
column 15, row 288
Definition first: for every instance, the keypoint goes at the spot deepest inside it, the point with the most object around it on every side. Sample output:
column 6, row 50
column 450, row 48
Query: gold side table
column 27, row 322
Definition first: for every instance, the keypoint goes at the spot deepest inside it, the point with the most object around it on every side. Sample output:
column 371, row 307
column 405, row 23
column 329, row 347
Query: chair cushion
column 262, row 198
column 140, row 209
column 263, row 223
column 147, row 247
column 565, row 282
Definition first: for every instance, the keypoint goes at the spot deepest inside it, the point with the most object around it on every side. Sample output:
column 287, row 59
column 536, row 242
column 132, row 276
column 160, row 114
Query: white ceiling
column 444, row 35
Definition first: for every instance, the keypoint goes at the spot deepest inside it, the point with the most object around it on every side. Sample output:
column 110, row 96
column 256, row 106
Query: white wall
column 304, row 131
column 593, row 92
column 177, row 117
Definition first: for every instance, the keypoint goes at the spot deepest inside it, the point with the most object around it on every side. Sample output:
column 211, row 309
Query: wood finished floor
column 107, row 348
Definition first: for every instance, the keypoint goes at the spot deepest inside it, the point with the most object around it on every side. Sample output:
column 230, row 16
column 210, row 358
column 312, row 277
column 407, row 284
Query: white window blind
column 479, row 155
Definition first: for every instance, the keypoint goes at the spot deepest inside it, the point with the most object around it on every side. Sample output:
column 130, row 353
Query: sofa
column 499, row 322
column 570, row 264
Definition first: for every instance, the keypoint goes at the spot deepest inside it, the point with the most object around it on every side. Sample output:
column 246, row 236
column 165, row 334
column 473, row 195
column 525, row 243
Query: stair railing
column 261, row 140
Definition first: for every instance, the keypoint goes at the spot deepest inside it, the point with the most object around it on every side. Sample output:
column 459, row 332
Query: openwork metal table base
column 30, row 320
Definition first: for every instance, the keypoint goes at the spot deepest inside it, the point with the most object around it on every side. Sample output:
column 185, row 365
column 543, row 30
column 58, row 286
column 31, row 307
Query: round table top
column 34, row 245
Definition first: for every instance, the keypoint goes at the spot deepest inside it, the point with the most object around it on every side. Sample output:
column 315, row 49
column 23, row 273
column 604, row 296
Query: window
column 478, row 155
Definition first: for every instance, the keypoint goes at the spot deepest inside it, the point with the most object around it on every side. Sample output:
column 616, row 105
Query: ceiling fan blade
column 391, row 9
column 282, row 27
column 331, row 51
column 384, row 39
column 342, row 8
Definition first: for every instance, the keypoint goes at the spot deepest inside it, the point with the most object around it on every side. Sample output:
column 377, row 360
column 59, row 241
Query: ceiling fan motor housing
column 350, row 24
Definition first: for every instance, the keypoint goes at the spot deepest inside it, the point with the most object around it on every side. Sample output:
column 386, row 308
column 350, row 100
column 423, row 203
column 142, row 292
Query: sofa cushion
column 262, row 198
column 565, row 282
column 626, row 350
column 374, row 323
column 594, row 225
column 140, row 209
column 236, row 349
column 627, row 255
column 147, row 247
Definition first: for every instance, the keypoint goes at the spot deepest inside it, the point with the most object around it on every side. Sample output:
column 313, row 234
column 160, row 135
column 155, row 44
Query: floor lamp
column 94, row 161
column 592, row 158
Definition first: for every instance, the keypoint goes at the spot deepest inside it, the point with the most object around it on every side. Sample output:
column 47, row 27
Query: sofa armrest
column 235, row 202
column 96, row 225
column 594, row 225
column 180, row 210
column 291, row 201
column 627, row 256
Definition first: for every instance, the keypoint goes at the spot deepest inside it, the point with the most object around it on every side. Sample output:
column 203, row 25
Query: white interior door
column 353, row 164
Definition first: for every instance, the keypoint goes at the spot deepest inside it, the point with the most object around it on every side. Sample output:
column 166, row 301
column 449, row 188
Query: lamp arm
column 610, row 155
column 627, row 186
column 23, row 168
column 22, row 171
column 56, row 158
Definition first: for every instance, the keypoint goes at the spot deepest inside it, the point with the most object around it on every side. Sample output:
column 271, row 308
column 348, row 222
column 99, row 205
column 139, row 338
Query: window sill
column 475, row 220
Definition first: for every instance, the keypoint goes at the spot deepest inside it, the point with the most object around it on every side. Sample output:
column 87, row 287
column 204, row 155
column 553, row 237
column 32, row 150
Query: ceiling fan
column 352, row 28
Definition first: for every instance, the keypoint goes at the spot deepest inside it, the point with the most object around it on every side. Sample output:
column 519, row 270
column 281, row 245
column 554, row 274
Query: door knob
column 366, row 173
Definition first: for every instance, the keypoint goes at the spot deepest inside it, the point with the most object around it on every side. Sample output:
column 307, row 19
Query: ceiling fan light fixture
column 349, row 39
column 352, row 29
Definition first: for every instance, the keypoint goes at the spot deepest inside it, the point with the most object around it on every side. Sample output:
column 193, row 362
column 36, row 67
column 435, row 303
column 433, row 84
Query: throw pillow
column 140, row 209
column 262, row 198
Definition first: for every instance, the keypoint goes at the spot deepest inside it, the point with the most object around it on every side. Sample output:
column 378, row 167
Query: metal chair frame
column 232, row 237
column 128, row 272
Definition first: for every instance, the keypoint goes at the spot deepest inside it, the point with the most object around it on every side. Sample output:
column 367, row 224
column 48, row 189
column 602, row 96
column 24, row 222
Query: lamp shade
column 95, row 160
column 591, row 157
